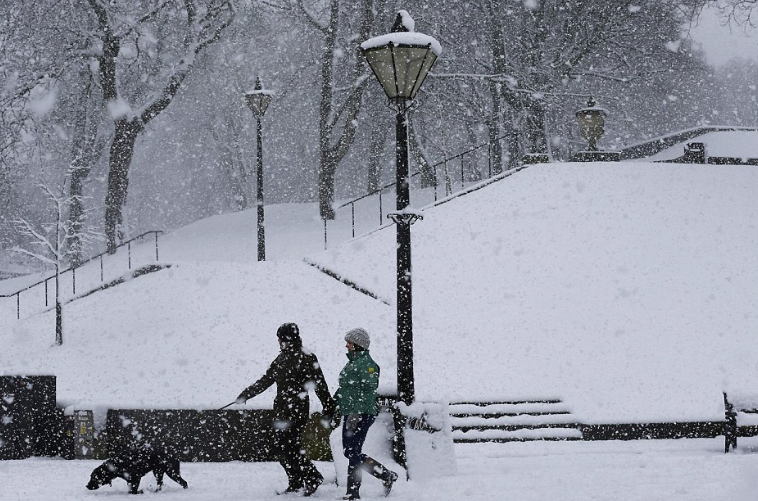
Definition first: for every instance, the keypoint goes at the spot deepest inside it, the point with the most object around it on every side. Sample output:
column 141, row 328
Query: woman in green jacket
column 356, row 400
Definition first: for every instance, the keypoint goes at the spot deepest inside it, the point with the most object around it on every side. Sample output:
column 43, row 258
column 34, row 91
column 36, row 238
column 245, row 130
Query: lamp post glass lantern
column 591, row 123
column 401, row 61
column 258, row 100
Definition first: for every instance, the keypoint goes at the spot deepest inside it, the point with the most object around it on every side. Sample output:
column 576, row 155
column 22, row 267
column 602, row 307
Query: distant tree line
column 138, row 103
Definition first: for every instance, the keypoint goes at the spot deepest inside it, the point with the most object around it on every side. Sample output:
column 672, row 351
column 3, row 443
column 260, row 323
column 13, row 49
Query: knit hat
column 288, row 332
column 358, row 337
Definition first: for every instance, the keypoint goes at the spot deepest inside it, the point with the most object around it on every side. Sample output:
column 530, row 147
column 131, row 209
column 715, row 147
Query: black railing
column 447, row 179
column 72, row 269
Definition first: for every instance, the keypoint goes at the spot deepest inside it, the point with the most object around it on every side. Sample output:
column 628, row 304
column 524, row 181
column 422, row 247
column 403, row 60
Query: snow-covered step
column 507, row 420
column 519, row 435
column 510, row 409
column 747, row 418
column 518, row 420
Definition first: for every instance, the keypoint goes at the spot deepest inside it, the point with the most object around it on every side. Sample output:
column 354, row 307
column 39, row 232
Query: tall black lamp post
column 401, row 61
column 258, row 100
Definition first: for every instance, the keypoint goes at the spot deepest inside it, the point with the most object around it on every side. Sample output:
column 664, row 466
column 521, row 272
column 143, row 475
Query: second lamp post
column 258, row 100
column 401, row 60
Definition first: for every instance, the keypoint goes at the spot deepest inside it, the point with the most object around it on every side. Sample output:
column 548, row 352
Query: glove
column 352, row 421
column 332, row 420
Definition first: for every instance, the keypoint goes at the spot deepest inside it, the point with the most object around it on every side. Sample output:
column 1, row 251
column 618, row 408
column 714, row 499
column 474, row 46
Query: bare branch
column 312, row 20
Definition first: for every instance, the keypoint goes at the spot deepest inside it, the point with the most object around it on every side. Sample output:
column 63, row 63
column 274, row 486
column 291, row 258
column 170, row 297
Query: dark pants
column 353, row 436
column 300, row 471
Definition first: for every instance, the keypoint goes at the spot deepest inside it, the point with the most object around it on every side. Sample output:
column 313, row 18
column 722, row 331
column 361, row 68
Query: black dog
column 134, row 464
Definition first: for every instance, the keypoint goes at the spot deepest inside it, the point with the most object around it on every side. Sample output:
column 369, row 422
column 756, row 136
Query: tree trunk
column 512, row 139
column 332, row 152
column 428, row 175
column 122, row 149
column 76, row 218
column 534, row 104
column 473, row 170
column 86, row 149
column 535, row 125
column 497, row 48
column 238, row 183
column 232, row 164
column 127, row 127
column 378, row 140
column 328, row 167
column 494, row 132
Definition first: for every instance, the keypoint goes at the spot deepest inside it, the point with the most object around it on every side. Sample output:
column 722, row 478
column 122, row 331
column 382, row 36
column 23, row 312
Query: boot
column 353, row 483
column 375, row 468
column 312, row 484
column 388, row 481
column 289, row 490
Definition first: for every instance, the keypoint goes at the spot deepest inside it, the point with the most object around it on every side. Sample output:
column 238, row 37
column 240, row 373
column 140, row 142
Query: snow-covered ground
column 629, row 290
column 668, row 470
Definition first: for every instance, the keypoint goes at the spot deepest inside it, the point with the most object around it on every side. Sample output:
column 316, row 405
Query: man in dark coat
column 294, row 372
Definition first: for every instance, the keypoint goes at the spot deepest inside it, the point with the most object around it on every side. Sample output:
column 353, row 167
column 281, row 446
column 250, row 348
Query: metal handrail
column 446, row 160
column 72, row 269
column 460, row 155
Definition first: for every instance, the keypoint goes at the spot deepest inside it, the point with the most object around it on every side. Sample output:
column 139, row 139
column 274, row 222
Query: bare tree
column 53, row 241
column 189, row 27
column 338, row 106
column 32, row 58
column 740, row 12
column 544, row 52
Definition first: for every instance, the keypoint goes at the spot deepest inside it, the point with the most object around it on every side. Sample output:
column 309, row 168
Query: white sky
column 722, row 43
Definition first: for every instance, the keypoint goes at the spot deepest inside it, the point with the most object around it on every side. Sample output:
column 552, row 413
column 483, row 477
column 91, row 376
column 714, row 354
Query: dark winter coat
column 359, row 381
column 294, row 372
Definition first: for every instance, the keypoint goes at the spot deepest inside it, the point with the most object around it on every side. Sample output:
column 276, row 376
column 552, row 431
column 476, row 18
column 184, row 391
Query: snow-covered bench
column 511, row 421
column 741, row 415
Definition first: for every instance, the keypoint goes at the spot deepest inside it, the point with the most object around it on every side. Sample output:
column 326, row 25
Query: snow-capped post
column 401, row 61
column 258, row 100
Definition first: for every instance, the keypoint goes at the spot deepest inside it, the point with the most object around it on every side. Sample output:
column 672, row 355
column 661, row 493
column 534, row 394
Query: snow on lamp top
column 592, row 107
column 258, row 99
column 403, row 33
column 401, row 60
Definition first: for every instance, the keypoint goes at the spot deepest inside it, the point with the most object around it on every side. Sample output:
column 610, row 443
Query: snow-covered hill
column 627, row 289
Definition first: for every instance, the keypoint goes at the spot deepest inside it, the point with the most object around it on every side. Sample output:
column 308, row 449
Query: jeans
column 354, row 430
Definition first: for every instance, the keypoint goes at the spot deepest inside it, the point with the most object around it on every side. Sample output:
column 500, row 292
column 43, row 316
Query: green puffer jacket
column 359, row 381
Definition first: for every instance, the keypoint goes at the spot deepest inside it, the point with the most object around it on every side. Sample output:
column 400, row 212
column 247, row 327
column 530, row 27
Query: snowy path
column 630, row 471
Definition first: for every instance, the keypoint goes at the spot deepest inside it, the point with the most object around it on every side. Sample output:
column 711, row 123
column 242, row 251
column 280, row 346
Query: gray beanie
column 358, row 337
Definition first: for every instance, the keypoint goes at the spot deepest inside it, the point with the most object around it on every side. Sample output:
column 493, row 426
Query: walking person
column 356, row 402
column 294, row 372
